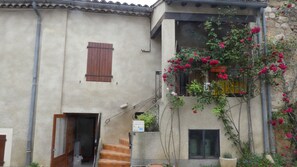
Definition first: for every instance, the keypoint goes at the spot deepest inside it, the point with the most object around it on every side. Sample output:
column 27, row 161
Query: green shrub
column 149, row 120
column 253, row 160
column 279, row 160
column 34, row 164
column 227, row 155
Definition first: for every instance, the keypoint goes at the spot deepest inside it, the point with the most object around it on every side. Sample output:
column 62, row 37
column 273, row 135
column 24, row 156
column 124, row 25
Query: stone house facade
column 134, row 43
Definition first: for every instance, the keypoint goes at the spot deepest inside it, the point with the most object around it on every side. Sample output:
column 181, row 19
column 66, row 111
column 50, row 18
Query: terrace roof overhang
column 238, row 3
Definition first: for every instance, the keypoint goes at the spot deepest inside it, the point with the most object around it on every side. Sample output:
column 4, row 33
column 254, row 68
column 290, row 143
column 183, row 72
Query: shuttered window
column 99, row 65
column 2, row 148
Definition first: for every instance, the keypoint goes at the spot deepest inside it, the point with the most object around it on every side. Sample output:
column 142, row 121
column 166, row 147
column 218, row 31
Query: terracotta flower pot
column 228, row 162
column 218, row 69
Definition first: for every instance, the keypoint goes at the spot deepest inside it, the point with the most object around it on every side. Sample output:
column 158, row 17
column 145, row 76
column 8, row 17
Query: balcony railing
column 232, row 87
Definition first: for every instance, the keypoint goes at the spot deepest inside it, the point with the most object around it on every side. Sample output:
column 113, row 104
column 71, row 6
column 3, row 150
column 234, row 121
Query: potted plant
column 227, row 160
column 150, row 121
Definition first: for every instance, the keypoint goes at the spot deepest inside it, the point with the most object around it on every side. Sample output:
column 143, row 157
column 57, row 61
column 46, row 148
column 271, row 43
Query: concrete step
column 124, row 141
column 117, row 148
column 112, row 155
column 113, row 163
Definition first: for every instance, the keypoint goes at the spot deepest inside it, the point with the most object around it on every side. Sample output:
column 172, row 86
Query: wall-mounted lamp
column 123, row 106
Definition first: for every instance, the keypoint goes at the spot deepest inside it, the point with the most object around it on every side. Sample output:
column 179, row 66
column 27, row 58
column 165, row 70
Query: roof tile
column 84, row 5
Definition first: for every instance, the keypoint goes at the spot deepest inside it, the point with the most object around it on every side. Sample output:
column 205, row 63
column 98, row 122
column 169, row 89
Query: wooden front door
column 58, row 155
column 2, row 148
column 62, row 141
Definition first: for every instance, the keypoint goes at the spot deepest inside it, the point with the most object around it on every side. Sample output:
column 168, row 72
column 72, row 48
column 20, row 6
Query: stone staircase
column 115, row 155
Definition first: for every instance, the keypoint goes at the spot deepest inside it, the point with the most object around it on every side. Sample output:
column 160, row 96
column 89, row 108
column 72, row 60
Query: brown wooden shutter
column 2, row 148
column 99, row 65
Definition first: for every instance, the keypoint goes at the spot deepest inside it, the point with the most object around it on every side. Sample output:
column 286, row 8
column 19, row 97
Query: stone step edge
column 111, row 152
column 109, row 161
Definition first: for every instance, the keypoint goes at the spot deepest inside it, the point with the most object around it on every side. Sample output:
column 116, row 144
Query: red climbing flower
column 289, row 135
column 273, row 68
column 222, row 45
column 255, row 30
column 263, row 70
column 213, row 62
column 280, row 121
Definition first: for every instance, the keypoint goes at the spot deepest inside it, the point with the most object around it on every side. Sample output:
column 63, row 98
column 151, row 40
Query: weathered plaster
column 16, row 50
column 158, row 13
column 52, row 50
column 133, row 70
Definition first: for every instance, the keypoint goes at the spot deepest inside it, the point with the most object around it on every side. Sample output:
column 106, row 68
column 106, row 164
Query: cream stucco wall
column 144, row 145
column 17, row 33
column 133, row 70
column 62, row 87
column 158, row 12
column 53, row 37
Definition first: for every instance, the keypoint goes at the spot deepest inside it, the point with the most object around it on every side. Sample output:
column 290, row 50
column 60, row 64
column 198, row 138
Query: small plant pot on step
column 228, row 162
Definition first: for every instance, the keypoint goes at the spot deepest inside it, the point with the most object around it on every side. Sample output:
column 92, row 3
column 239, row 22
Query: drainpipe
column 32, row 111
column 263, row 96
column 268, row 90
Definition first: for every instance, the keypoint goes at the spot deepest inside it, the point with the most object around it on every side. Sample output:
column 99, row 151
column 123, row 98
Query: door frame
column 62, row 157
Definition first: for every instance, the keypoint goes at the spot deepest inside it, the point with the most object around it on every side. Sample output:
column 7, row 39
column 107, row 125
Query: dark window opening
column 204, row 144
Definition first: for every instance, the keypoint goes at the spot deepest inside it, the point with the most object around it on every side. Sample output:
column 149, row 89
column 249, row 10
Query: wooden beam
column 199, row 18
column 204, row 17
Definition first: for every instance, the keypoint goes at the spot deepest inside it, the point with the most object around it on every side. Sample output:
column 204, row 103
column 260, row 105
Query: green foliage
column 253, row 160
column 237, row 51
column 279, row 160
column 227, row 155
column 149, row 120
column 233, row 50
column 175, row 101
column 205, row 97
column 231, row 133
column 195, row 88
column 34, row 164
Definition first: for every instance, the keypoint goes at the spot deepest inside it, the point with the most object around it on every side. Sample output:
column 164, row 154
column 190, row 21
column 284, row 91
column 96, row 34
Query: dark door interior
column 84, row 135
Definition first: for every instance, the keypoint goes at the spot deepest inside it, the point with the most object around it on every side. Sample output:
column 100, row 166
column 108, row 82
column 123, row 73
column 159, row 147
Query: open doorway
column 84, row 136
column 74, row 137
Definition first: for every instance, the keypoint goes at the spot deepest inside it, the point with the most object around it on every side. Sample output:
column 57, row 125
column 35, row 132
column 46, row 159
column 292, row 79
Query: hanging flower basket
column 218, row 69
